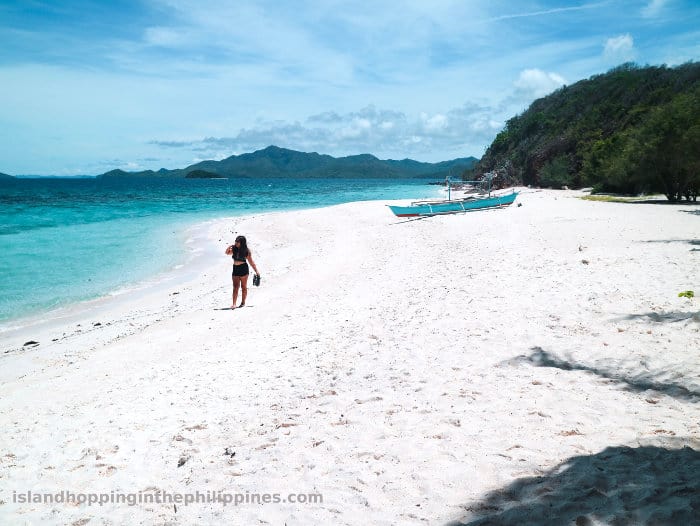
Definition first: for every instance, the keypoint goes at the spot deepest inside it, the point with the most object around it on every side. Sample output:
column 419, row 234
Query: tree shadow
column 694, row 212
column 695, row 242
column 646, row 381
column 666, row 317
column 618, row 486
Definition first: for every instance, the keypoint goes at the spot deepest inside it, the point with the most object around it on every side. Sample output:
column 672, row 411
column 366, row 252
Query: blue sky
column 89, row 86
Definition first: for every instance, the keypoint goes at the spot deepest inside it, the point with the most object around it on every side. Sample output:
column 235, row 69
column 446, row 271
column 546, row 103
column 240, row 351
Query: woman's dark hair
column 242, row 250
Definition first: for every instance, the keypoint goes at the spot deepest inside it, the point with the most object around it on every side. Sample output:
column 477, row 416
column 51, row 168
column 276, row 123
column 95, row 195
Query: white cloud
column 535, row 83
column 653, row 8
column 619, row 49
column 435, row 122
column 385, row 133
column 163, row 37
column 546, row 12
column 356, row 129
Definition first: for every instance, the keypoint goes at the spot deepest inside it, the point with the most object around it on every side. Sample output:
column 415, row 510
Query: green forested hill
column 631, row 130
column 274, row 162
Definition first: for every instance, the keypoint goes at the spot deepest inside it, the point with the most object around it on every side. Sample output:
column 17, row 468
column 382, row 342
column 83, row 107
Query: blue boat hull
column 453, row 207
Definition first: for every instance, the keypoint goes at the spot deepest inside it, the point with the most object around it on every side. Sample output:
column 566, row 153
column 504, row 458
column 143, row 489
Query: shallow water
column 65, row 240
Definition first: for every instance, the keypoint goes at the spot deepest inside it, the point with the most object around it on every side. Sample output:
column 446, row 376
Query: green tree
column 666, row 148
column 630, row 130
column 555, row 173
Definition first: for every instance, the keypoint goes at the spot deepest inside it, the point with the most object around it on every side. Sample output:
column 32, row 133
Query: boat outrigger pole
column 488, row 178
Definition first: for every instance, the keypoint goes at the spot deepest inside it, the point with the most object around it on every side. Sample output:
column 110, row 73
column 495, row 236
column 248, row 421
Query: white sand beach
column 533, row 364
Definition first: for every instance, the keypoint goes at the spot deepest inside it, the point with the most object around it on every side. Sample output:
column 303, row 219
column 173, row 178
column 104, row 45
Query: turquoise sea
column 65, row 240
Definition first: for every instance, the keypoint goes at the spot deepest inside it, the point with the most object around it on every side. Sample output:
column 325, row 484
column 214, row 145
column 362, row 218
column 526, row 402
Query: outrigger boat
column 450, row 206
column 453, row 207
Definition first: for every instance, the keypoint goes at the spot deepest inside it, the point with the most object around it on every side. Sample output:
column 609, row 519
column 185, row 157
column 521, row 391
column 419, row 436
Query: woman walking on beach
column 241, row 255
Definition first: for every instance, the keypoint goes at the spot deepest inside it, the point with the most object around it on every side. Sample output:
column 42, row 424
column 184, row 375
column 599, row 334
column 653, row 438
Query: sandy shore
column 513, row 366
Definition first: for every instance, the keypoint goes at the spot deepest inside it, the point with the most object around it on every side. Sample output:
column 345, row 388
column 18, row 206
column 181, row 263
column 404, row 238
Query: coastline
column 193, row 250
column 118, row 244
column 133, row 306
column 403, row 369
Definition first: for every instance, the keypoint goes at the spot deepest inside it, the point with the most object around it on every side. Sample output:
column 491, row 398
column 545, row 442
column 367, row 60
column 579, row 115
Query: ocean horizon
column 66, row 240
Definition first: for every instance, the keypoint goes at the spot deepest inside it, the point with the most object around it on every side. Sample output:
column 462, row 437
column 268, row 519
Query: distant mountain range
column 5, row 176
column 275, row 162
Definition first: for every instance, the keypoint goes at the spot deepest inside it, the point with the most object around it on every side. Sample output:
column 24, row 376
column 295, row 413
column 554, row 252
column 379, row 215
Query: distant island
column 202, row 174
column 276, row 162
column 5, row 176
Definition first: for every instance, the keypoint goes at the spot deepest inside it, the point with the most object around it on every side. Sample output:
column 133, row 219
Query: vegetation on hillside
column 274, row 162
column 631, row 130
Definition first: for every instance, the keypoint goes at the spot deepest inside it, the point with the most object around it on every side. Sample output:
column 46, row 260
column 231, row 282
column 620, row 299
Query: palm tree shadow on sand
column 666, row 382
column 619, row 486
column 666, row 317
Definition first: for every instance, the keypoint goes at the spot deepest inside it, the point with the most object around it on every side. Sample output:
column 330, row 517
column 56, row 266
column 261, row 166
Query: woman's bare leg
column 236, row 286
column 244, row 290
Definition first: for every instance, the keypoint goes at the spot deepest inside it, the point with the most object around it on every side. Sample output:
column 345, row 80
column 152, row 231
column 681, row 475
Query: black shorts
column 240, row 270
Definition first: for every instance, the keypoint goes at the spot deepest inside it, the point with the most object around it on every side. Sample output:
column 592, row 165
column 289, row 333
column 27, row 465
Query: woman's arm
column 229, row 250
column 252, row 263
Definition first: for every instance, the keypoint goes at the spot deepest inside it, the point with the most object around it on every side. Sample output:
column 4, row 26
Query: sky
column 88, row 86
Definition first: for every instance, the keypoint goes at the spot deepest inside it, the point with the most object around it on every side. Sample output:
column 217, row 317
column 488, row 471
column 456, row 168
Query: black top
column 238, row 254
